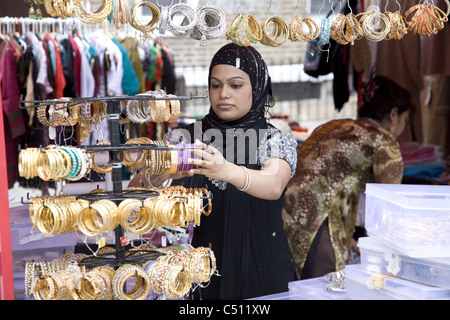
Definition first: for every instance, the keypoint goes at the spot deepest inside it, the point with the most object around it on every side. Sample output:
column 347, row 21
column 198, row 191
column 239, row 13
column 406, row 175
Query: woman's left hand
column 210, row 162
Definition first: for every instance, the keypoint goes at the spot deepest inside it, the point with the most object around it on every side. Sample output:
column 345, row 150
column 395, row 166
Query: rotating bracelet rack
column 119, row 255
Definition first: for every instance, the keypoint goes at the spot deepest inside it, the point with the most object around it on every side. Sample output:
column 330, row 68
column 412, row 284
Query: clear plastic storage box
column 377, row 257
column 366, row 285
column 414, row 219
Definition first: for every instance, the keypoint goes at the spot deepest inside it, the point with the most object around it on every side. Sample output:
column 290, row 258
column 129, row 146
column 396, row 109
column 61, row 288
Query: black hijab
column 250, row 61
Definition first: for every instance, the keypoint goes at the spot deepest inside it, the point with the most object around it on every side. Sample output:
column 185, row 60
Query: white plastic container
column 413, row 219
column 365, row 285
column 377, row 257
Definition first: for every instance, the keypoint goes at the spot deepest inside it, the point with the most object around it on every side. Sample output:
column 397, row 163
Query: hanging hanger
column 268, row 9
column 320, row 10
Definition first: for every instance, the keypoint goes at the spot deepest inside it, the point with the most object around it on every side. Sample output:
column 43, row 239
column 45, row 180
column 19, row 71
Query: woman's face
column 230, row 92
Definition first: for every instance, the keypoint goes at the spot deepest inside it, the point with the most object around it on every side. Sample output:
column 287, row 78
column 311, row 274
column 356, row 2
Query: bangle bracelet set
column 121, row 13
column 59, row 8
column 172, row 275
column 211, row 24
column 160, row 161
column 72, row 163
column 156, row 110
column 174, row 207
column 201, row 261
column 275, row 32
column 244, row 30
column 56, row 114
column 428, row 19
column 54, row 162
column 376, row 25
column 345, row 28
column 296, row 29
column 88, row 17
column 145, row 28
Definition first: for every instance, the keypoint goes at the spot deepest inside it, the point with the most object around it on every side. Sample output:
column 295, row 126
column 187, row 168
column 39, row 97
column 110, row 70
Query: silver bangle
column 188, row 23
column 211, row 23
column 247, row 180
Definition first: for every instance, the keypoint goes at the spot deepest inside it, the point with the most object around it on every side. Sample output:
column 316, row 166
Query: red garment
column 150, row 84
column 76, row 66
column 60, row 79
column 14, row 123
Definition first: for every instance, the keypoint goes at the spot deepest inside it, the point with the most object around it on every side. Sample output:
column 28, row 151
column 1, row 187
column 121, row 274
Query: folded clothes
column 414, row 153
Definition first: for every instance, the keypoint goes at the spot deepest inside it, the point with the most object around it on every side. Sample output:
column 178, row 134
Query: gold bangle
column 278, row 34
column 90, row 17
column 106, row 168
column 48, row 4
column 244, row 30
column 142, row 286
column 152, row 24
column 398, row 27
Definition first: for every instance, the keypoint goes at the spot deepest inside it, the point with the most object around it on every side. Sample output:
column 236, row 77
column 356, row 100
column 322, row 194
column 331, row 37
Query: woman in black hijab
column 246, row 164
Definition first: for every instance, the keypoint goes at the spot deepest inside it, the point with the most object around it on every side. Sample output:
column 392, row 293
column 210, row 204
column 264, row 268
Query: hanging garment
column 87, row 81
column 76, row 65
column 132, row 47
column 60, row 79
column 130, row 82
column 14, row 124
column 69, row 69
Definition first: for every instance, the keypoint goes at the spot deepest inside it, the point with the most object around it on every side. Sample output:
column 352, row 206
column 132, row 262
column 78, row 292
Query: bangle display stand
column 119, row 255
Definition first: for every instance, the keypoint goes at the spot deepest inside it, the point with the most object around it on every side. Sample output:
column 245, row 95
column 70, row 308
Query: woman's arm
column 267, row 183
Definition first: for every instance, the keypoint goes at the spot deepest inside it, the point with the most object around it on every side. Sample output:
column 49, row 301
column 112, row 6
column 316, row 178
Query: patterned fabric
column 333, row 167
column 275, row 144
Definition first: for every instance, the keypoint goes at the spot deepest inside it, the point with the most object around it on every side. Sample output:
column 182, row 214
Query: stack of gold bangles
column 168, row 159
column 275, row 32
column 56, row 216
column 170, row 280
column 244, row 30
column 98, row 217
column 92, row 17
column 200, row 261
column 54, row 162
column 376, row 25
column 59, row 8
column 147, row 28
column 172, row 275
column 398, row 27
column 296, row 31
column 428, row 19
column 159, row 108
column 346, row 28
column 57, row 114
column 175, row 207
column 121, row 13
